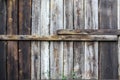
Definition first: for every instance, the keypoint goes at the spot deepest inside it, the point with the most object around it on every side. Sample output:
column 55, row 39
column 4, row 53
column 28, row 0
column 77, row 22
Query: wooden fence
column 59, row 39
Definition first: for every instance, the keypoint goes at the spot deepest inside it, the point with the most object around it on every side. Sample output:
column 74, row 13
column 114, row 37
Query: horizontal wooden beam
column 59, row 38
column 89, row 31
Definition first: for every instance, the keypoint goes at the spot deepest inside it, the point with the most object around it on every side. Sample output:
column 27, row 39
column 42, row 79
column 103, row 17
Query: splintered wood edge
column 59, row 38
column 88, row 31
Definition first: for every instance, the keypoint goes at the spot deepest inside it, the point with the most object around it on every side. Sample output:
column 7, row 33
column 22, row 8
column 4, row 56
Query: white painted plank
column 44, row 29
column 56, row 48
column 68, row 46
column 91, row 48
column 35, row 46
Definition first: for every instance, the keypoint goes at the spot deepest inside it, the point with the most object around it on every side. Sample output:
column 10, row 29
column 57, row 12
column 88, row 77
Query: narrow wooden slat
column 89, row 31
column 35, row 46
column 56, row 48
column 59, row 38
column 119, row 58
column 44, row 29
column 3, row 43
column 79, row 23
column 12, row 47
column 108, row 50
column 91, row 48
column 24, row 47
column 68, row 46
column 118, row 8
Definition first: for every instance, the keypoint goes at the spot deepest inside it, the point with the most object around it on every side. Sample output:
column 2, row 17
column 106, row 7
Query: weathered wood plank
column 45, row 72
column 59, row 38
column 91, row 48
column 35, row 46
column 119, row 58
column 68, row 46
column 88, row 31
column 56, row 48
column 12, row 47
column 24, row 47
column 108, row 50
column 3, row 43
column 79, row 23
column 118, row 8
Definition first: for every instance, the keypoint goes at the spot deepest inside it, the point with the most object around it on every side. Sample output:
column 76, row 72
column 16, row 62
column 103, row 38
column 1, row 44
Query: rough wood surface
column 56, row 48
column 68, row 46
column 12, row 47
column 44, row 29
column 79, row 23
column 3, row 70
column 88, row 31
column 118, row 8
column 24, row 47
column 108, row 61
column 35, row 46
column 59, row 38
column 91, row 48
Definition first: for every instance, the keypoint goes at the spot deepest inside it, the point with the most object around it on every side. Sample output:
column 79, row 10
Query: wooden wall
column 35, row 60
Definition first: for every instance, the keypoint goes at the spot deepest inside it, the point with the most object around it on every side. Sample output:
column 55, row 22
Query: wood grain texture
column 56, row 48
column 59, row 38
column 3, row 70
column 88, row 31
column 108, row 61
column 118, row 15
column 35, row 46
column 91, row 48
column 79, row 23
column 68, row 46
column 24, row 47
column 12, row 47
column 45, row 72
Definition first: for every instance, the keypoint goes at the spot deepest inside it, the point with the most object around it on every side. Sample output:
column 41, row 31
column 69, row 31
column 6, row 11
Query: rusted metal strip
column 59, row 38
column 89, row 31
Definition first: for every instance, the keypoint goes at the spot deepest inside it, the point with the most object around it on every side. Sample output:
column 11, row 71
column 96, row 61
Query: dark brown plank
column 24, row 47
column 59, row 38
column 89, row 31
column 2, row 43
column 108, row 50
column 12, row 47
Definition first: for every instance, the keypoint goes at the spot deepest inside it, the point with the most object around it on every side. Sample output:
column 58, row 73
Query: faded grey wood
column 91, row 48
column 35, row 46
column 118, row 8
column 88, row 31
column 68, row 46
column 108, row 61
column 44, row 31
column 79, row 23
column 56, row 48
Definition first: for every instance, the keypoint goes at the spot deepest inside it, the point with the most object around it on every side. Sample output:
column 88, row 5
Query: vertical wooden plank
column 79, row 23
column 68, row 46
column 44, row 45
column 3, row 43
column 35, row 46
column 108, row 50
column 12, row 47
column 118, row 15
column 24, row 47
column 91, row 48
column 56, row 48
